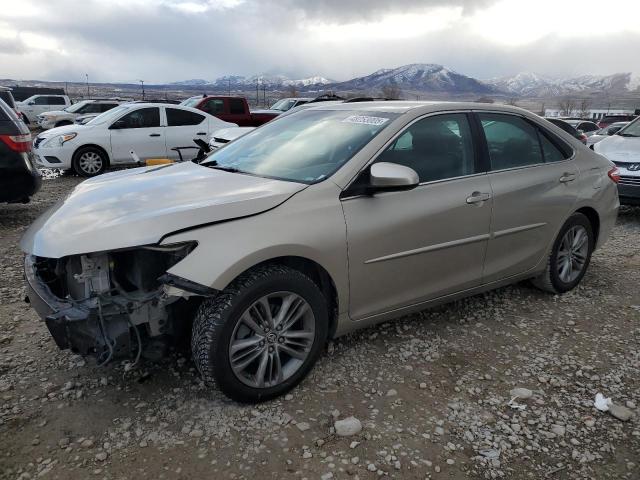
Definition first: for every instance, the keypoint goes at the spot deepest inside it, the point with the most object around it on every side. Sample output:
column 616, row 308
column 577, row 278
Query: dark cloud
column 158, row 42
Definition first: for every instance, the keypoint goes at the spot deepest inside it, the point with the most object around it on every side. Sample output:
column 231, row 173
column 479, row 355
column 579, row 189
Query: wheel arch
column 594, row 219
column 92, row 145
column 318, row 274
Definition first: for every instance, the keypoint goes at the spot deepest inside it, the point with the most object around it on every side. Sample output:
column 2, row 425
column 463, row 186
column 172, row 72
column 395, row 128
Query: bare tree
column 584, row 108
column 391, row 91
column 567, row 106
column 513, row 101
column 292, row 91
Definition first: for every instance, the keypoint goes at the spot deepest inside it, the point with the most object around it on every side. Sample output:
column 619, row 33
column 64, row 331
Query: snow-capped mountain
column 532, row 85
column 192, row 82
column 269, row 80
column 418, row 77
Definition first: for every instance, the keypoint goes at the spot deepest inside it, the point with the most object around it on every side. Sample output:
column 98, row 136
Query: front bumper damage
column 92, row 314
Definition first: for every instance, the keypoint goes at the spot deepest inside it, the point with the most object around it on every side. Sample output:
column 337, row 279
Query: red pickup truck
column 231, row 109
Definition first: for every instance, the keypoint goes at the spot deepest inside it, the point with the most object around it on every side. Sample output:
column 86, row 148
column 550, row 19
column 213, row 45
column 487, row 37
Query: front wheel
column 89, row 162
column 569, row 257
column 261, row 336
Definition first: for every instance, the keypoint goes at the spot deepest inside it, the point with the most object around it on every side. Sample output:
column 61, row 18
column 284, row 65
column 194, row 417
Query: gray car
column 329, row 220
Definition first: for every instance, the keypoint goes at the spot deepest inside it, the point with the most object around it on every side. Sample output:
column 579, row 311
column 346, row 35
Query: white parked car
column 37, row 104
column 151, row 130
column 225, row 135
column 623, row 149
column 605, row 132
column 58, row 118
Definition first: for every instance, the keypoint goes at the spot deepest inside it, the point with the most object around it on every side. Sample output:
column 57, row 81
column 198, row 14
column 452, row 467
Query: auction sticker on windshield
column 365, row 120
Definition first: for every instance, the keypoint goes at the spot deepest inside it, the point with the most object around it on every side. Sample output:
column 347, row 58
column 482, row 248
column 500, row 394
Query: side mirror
column 391, row 176
column 118, row 124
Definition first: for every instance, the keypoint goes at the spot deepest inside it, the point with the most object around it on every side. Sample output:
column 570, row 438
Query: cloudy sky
column 168, row 40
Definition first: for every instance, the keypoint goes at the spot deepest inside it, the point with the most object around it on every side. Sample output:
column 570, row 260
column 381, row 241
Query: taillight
column 17, row 143
column 614, row 174
column 583, row 138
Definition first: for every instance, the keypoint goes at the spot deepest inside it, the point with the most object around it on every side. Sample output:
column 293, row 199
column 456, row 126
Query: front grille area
column 50, row 272
column 37, row 142
column 628, row 180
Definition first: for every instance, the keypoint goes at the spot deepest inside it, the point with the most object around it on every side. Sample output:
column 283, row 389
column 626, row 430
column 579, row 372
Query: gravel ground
column 432, row 392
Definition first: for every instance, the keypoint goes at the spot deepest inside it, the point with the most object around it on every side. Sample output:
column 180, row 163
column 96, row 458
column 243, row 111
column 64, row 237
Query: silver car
column 329, row 220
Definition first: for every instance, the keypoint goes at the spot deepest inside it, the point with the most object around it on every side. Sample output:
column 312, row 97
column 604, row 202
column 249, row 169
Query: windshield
column 306, row 147
column 191, row 102
column 283, row 105
column 75, row 107
column 108, row 115
column 631, row 130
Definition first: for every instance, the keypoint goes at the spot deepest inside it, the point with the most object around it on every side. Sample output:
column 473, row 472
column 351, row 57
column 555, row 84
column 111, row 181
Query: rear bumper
column 74, row 325
column 19, row 180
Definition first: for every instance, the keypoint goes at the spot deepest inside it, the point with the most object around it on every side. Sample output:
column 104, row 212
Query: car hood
column 139, row 206
column 620, row 149
column 55, row 113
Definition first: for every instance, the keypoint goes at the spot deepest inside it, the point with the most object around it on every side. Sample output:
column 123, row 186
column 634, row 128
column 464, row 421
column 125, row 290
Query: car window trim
column 346, row 194
column 536, row 126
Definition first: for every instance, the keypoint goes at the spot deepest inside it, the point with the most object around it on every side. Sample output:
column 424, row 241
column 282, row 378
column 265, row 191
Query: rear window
column 8, row 98
column 177, row 117
column 236, row 106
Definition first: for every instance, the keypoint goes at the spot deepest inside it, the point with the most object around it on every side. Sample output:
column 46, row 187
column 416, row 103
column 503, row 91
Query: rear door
column 139, row 131
column 534, row 180
column 410, row 246
column 183, row 126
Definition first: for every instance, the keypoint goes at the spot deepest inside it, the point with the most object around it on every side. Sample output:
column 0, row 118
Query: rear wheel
column 89, row 162
column 262, row 335
column 570, row 256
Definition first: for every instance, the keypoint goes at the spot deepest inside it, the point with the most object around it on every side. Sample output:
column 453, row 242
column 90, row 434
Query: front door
column 407, row 247
column 534, row 182
column 138, row 131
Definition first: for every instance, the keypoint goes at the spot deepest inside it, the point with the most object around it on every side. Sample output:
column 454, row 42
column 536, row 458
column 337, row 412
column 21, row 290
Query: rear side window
column 8, row 98
column 107, row 106
column 437, row 147
column 550, row 152
column 177, row 117
column 512, row 141
column 213, row 106
column 588, row 127
column 236, row 106
column 142, row 118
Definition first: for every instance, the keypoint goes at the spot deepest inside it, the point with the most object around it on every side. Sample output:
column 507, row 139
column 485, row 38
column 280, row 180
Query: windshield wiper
column 224, row 168
column 627, row 135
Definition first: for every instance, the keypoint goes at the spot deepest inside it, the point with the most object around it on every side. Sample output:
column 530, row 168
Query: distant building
column 594, row 113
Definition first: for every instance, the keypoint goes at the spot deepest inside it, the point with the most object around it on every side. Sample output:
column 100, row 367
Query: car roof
column 404, row 106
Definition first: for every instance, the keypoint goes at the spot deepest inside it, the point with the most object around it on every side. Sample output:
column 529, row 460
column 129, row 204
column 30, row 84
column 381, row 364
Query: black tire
column 93, row 151
column 549, row 280
column 217, row 317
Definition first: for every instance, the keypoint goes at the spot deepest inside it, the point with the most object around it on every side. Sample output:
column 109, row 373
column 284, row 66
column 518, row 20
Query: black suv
column 19, row 179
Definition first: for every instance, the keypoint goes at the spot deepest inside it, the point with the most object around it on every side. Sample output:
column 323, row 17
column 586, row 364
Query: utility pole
column 87, row 75
column 142, row 83
column 257, row 94
column 229, row 86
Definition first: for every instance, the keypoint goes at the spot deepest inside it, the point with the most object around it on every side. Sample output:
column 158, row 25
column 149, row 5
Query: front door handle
column 154, row 135
column 567, row 177
column 478, row 197
column 201, row 133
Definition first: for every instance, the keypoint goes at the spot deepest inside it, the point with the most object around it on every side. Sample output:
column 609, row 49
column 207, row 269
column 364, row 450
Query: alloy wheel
column 90, row 163
column 572, row 253
column 272, row 339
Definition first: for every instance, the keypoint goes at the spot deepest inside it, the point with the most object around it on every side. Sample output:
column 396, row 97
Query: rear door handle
column 201, row 133
column 154, row 135
column 478, row 197
column 567, row 177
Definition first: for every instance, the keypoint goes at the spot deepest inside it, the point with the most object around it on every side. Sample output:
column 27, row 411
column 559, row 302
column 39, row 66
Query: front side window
column 436, row 147
column 107, row 106
column 631, row 130
column 142, row 118
column 511, row 140
column 307, row 147
column 177, row 117
column 42, row 101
